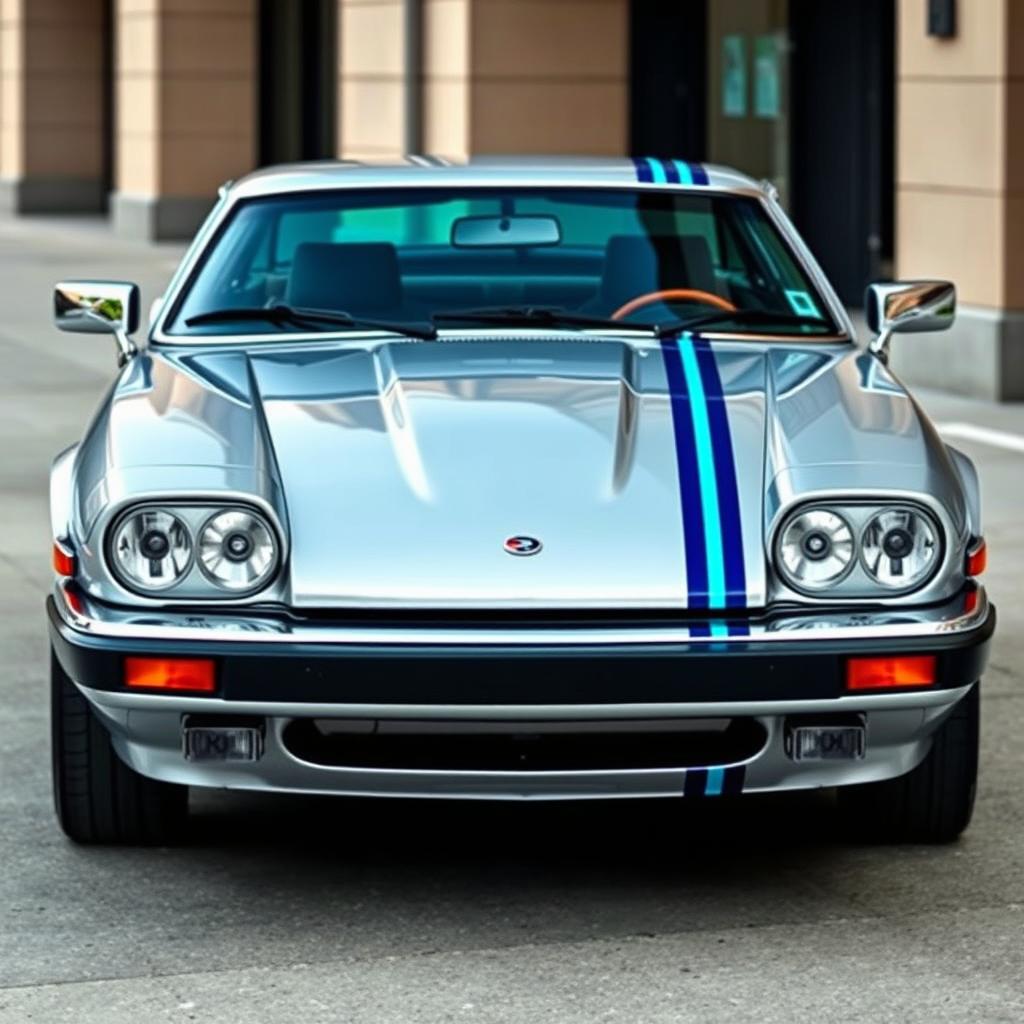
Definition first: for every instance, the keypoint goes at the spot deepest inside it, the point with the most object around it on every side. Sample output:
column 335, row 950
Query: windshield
column 391, row 256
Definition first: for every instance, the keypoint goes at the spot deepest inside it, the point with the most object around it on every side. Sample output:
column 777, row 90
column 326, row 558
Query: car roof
column 482, row 171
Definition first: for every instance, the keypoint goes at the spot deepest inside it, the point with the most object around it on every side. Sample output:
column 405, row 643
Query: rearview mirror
column 907, row 306
column 99, row 307
column 492, row 232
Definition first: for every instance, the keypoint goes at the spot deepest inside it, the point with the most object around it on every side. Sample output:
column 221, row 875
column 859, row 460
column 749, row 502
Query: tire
column 931, row 804
column 98, row 798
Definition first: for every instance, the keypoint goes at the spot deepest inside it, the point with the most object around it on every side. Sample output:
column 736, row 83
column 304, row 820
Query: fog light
column 221, row 742
column 825, row 742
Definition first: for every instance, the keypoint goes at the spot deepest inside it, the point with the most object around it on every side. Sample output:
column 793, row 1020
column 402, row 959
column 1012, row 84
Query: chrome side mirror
column 99, row 307
column 907, row 306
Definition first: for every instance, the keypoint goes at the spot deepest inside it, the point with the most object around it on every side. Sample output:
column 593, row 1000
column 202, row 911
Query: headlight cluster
column 860, row 550
column 199, row 551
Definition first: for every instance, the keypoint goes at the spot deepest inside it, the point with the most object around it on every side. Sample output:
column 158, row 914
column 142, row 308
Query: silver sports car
column 518, row 479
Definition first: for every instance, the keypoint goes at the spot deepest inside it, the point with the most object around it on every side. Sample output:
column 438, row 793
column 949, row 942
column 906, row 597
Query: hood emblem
column 521, row 545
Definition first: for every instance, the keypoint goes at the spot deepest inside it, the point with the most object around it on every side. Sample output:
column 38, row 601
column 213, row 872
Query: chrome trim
column 116, row 700
column 89, row 617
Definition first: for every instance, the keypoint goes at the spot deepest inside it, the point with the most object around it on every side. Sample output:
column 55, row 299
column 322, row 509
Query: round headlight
column 900, row 548
column 152, row 549
column 815, row 549
column 237, row 550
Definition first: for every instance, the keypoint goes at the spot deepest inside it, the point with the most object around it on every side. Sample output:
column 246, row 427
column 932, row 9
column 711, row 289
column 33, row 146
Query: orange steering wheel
column 691, row 294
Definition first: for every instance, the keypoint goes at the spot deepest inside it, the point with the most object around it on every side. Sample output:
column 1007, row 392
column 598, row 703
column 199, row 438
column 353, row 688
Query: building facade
column 885, row 124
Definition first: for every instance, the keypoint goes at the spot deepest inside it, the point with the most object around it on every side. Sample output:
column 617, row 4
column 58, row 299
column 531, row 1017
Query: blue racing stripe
column 683, row 172
column 698, row 175
column 689, row 476
column 713, row 786
column 658, row 175
column 643, row 169
column 671, row 171
column 708, row 475
column 727, row 489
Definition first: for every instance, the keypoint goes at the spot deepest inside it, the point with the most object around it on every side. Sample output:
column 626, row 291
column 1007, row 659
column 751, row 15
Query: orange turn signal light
column 193, row 675
column 977, row 559
column 890, row 673
column 63, row 560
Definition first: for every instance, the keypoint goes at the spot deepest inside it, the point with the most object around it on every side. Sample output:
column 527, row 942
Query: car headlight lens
column 237, row 550
column 899, row 547
column 816, row 549
column 152, row 549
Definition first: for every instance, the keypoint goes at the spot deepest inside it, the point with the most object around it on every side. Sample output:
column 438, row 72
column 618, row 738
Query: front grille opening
column 524, row 746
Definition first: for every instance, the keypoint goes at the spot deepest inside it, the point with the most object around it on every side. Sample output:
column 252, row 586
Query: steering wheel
column 677, row 294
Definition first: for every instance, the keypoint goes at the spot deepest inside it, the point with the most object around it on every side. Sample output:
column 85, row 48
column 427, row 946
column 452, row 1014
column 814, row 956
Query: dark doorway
column 842, row 68
column 297, row 79
column 667, row 75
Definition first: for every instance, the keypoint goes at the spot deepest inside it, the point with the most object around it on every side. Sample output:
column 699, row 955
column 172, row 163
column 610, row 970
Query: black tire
column 98, row 798
column 934, row 802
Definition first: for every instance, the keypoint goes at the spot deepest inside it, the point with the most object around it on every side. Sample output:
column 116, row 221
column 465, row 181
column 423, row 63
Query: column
column 960, row 193
column 52, row 106
column 186, row 118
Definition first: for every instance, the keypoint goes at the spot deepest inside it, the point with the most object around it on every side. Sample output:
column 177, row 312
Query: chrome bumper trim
column 90, row 617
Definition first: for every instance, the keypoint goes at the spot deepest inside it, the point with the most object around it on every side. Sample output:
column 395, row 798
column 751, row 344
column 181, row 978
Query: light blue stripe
column 719, row 628
column 657, row 171
column 706, row 470
column 685, row 177
column 713, row 787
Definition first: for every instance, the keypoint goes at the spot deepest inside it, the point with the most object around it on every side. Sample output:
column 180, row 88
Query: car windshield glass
column 641, row 258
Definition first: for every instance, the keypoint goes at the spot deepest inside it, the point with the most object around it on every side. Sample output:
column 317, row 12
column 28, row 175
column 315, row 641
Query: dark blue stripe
column 689, row 477
column 695, row 781
column 739, row 628
column 643, row 169
column 700, row 629
column 699, row 175
column 725, row 477
column 734, row 779
column 671, row 171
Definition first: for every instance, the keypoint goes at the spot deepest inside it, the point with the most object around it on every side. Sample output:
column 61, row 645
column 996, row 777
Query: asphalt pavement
column 290, row 910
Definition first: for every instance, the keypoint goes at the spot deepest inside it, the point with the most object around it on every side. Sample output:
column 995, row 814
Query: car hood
column 648, row 473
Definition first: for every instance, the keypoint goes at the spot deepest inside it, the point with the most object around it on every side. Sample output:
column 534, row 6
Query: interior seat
column 350, row 277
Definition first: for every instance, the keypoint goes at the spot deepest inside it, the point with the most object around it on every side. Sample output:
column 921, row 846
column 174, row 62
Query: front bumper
column 597, row 676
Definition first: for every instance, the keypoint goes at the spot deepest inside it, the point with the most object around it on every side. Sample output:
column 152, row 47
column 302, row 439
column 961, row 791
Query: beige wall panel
column 446, row 118
column 952, row 235
column 136, row 39
column 136, row 165
column 223, row 157
column 199, row 106
column 548, row 117
column 136, row 104
column 12, row 49
column 963, row 146
column 372, row 115
column 372, row 39
column 979, row 48
column 187, row 6
column 551, row 38
column 446, row 38
column 207, row 43
column 11, row 153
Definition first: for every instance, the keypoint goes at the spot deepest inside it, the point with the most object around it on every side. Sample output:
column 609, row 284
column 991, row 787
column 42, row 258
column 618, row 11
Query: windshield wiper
column 545, row 316
column 740, row 316
column 300, row 317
